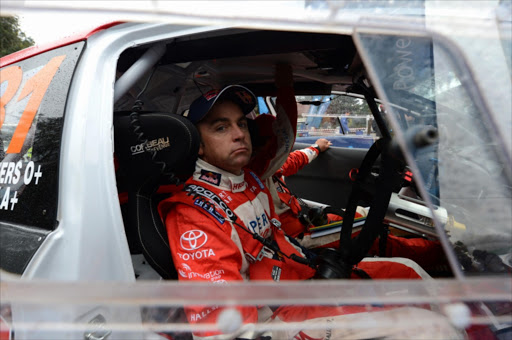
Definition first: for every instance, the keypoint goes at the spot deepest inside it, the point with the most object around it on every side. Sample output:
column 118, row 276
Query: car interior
column 190, row 65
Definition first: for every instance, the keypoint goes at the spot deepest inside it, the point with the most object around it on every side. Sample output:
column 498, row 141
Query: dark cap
column 240, row 95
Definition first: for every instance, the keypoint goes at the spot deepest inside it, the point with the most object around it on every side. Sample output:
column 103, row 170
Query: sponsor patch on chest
column 256, row 178
column 210, row 177
column 209, row 208
column 238, row 187
column 198, row 190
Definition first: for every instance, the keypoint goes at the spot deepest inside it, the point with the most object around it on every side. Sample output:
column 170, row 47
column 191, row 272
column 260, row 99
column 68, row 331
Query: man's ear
column 200, row 153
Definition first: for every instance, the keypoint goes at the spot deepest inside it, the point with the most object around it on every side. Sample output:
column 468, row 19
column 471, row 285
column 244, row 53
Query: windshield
column 345, row 121
column 342, row 118
column 466, row 170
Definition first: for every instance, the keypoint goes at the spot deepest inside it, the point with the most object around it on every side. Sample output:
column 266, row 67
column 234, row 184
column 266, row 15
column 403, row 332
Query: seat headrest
column 170, row 139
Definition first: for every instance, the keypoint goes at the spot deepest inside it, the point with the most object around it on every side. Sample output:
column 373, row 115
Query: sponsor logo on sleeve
column 213, row 275
column 197, row 255
column 183, row 272
column 193, row 239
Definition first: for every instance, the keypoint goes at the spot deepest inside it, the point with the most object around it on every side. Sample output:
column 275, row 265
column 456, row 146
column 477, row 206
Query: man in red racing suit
column 222, row 227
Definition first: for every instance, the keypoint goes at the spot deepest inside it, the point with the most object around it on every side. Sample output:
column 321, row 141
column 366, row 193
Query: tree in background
column 12, row 38
column 340, row 105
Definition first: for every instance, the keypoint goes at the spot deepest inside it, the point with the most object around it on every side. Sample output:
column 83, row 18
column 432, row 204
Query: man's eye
column 220, row 128
column 242, row 125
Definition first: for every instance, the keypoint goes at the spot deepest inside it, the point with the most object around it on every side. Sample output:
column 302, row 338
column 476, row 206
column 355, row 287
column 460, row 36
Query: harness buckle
column 265, row 252
column 276, row 223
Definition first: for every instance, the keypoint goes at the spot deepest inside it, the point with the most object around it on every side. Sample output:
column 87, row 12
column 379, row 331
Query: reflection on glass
column 463, row 172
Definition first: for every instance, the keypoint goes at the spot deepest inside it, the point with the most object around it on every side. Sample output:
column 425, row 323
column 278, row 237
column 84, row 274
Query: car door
column 327, row 179
column 33, row 98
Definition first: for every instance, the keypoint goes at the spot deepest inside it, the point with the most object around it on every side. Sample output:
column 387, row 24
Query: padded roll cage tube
column 137, row 70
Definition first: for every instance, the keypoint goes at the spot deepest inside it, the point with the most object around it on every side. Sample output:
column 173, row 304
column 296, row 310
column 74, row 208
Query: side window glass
column 464, row 171
column 32, row 100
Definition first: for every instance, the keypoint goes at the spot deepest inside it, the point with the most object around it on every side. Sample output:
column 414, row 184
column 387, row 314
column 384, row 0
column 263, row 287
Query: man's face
column 225, row 139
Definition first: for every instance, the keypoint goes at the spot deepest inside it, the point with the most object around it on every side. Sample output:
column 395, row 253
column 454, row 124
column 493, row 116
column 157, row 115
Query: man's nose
column 238, row 133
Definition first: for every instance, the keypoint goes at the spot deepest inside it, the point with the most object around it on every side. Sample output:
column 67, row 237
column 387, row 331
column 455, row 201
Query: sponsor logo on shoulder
column 210, row 177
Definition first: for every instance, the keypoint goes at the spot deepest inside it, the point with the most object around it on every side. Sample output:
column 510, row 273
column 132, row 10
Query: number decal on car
column 13, row 77
column 36, row 87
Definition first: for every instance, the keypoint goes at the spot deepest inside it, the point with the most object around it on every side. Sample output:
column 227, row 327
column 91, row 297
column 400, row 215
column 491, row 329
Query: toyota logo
column 193, row 239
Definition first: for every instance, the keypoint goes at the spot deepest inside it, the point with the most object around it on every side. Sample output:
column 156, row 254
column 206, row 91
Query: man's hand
column 323, row 144
column 284, row 75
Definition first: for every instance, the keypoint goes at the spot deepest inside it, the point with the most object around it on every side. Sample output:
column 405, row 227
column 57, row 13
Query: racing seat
column 154, row 150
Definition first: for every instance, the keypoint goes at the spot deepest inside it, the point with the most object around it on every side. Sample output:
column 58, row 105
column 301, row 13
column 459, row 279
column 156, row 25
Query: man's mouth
column 241, row 149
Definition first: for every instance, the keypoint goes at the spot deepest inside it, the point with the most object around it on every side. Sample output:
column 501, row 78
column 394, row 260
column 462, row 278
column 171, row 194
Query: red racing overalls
column 210, row 225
